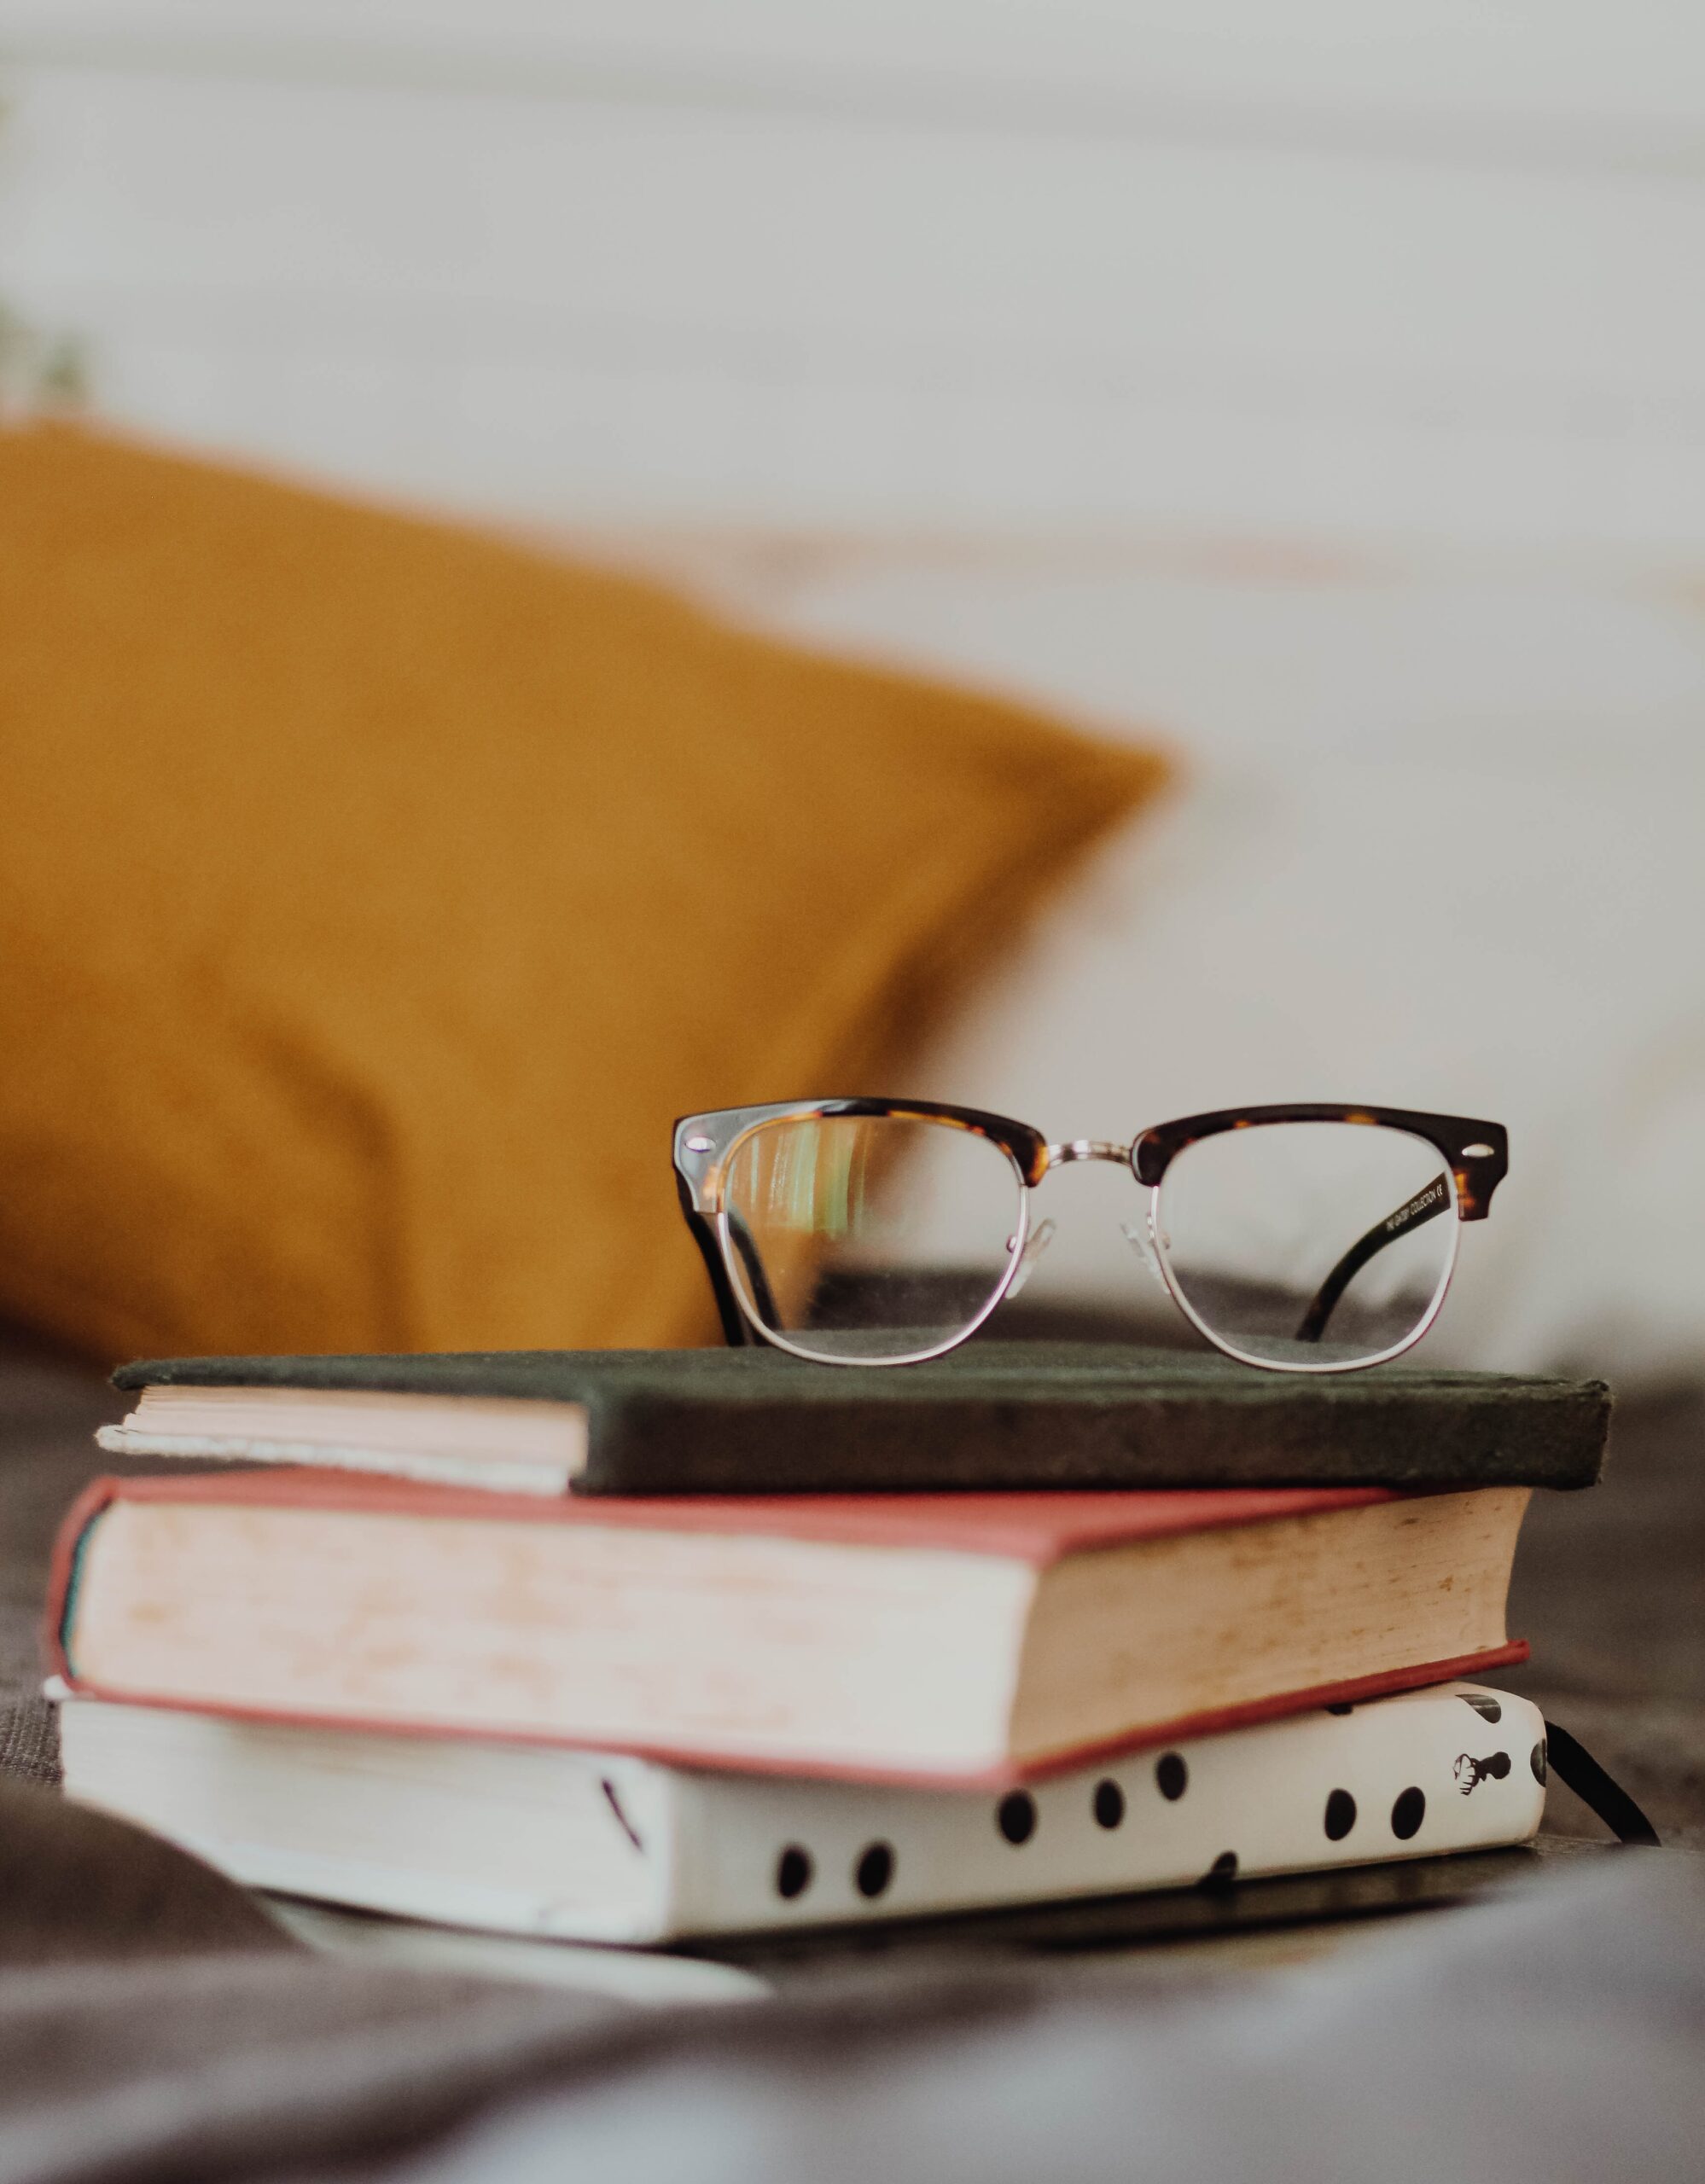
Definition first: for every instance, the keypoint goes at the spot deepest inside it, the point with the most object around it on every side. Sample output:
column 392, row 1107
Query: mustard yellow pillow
column 374, row 893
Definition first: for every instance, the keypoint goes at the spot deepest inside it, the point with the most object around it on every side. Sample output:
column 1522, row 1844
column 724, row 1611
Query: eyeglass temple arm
column 1425, row 1205
column 737, row 1332
column 734, row 1332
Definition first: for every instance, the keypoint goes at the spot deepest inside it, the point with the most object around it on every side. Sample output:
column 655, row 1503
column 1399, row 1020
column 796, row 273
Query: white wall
column 1355, row 274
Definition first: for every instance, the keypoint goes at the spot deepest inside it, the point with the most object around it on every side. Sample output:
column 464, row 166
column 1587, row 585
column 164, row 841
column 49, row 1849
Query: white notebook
column 533, row 1839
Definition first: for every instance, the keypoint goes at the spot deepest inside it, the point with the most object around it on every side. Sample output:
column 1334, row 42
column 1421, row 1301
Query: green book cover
column 1035, row 1415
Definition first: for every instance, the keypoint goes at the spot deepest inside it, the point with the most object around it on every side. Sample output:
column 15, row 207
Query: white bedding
column 1441, row 844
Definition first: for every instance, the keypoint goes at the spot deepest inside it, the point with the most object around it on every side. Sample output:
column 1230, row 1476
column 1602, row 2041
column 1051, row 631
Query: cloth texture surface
column 1554, row 2035
column 373, row 894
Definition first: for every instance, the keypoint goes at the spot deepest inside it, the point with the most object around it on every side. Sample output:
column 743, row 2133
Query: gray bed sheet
column 153, row 2026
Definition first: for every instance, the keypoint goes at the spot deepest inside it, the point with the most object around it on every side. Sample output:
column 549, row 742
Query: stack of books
column 496, row 1642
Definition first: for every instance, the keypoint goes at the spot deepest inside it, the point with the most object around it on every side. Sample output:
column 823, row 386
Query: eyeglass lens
column 1299, row 1244
column 878, row 1237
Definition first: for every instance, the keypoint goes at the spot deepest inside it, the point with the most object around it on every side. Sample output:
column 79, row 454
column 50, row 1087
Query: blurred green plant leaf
column 38, row 371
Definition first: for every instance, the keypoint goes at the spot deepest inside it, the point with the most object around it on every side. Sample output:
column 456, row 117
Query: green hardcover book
column 991, row 1415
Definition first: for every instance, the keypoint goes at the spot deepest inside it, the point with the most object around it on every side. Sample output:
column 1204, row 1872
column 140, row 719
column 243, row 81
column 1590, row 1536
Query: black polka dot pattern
column 1017, row 1817
column 1105, row 1806
column 1536, row 1760
column 793, row 1872
column 875, row 1869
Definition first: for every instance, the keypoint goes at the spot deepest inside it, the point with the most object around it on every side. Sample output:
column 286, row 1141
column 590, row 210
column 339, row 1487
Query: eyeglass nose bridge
column 1088, row 1148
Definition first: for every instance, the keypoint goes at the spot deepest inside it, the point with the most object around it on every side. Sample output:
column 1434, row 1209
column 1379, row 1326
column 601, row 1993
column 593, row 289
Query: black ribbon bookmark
column 1574, row 1766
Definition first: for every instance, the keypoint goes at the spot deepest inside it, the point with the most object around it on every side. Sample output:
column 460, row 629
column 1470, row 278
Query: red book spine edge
column 734, row 1762
column 95, row 1497
column 1011, row 1526
column 67, row 1546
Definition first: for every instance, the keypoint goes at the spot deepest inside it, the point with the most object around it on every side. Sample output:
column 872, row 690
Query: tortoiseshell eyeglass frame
column 1475, row 1153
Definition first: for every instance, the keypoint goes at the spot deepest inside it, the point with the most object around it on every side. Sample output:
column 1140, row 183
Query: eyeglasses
column 1308, row 1238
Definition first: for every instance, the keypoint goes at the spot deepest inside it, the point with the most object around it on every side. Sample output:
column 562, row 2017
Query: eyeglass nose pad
column 1034, row 1246
column 1142, row 1241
